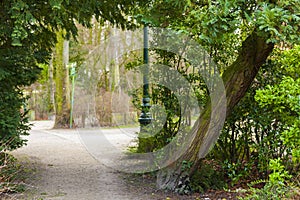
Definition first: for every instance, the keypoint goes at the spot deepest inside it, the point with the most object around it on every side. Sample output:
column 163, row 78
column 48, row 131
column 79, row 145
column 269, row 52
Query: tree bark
column 62, row 83
column 237, row 79
column 51, row 86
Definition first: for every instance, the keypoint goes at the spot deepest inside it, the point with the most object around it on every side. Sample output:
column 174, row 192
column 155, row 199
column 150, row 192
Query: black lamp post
column 145, row 117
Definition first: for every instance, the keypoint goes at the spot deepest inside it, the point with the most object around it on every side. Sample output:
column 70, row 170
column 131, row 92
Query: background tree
column 102, row 82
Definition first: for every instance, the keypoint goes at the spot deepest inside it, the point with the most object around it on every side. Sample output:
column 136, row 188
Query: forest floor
column 58, row 166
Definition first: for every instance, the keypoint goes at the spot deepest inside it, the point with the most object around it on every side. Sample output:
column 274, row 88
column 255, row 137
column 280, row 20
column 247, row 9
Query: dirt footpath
column 61, row 168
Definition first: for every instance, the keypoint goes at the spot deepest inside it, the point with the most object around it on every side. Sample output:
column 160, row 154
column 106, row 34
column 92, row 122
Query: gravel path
column 61, row 167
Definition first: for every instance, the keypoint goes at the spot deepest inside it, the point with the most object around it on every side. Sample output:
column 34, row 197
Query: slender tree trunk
column 51, row 86
column 62, row 83
column 237, row 79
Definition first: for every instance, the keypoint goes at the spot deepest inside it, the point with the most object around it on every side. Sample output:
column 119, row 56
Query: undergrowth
column 208, row 176
column 279, row 185
column 10, row 175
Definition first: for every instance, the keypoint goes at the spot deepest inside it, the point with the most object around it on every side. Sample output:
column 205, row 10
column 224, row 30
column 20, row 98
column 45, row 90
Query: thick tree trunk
column 62, row 83
column 237, row 79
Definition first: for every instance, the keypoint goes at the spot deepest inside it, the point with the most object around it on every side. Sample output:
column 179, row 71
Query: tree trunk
column 51, row 87
column 62, row 83
column 237, row 79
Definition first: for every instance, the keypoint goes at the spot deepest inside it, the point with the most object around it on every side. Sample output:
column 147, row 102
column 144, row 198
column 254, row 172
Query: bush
column 277, row 186
column 13, row 121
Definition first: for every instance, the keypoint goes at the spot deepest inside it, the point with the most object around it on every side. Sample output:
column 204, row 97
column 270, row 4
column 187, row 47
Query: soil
column 58, row 167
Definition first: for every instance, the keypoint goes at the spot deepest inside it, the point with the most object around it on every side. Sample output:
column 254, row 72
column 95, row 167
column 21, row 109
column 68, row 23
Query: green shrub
column 13, row 121
column 209, row 176
column 277, row 187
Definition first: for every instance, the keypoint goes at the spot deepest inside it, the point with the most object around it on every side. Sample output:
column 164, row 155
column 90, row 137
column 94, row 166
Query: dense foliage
column 254, row 133
column 283, row 100
column 264, row 126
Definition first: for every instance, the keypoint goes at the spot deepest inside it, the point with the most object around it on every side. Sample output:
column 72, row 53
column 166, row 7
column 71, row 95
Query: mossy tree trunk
column 51, row 86
column 62, row 83
column 237, row 79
